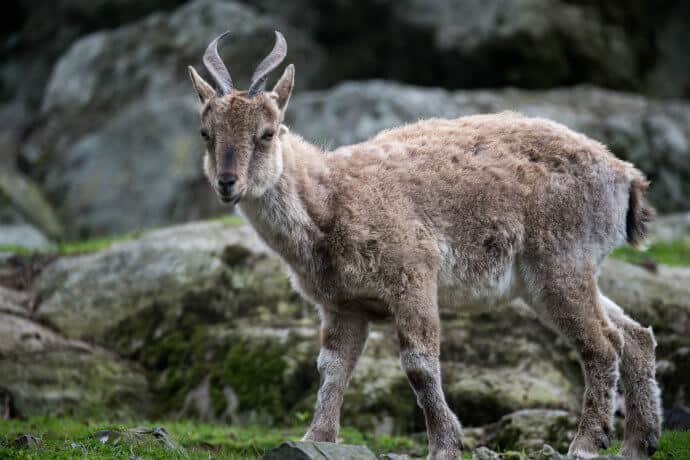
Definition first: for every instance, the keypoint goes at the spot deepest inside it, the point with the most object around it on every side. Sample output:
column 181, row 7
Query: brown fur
column 638, row 215
column 451, row 213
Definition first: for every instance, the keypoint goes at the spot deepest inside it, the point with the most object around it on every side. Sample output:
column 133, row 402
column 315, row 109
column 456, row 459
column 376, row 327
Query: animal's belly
column 476, row 291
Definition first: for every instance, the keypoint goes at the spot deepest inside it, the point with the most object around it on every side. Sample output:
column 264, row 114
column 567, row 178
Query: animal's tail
column 639, row 215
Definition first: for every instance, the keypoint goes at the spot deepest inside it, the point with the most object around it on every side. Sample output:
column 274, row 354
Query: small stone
column 27, row 441
column 392, row 456
column 549, row 453
column 300, row 450
column 484, row 453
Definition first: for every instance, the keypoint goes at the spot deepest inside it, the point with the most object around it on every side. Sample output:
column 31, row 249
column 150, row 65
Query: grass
column 673, row 445
column 64, row 438
column 674, row 253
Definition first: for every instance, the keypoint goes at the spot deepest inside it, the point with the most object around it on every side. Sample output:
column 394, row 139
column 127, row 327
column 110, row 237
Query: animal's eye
column 267, row 135
column 204, row 134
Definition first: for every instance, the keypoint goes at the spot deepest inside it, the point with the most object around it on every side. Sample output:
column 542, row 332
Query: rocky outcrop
column 47, row 374
column 652, row 134
column 526, row 43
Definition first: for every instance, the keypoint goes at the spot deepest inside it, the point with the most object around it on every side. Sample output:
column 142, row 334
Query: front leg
column 419, row 332
column 342, row 341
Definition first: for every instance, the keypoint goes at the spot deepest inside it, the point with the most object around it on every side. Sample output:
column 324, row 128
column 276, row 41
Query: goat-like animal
column 439, row 213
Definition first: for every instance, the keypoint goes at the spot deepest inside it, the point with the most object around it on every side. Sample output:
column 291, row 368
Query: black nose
column 225, row 182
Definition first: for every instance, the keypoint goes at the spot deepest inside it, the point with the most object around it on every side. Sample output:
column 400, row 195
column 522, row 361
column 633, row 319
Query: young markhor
column 447, row 213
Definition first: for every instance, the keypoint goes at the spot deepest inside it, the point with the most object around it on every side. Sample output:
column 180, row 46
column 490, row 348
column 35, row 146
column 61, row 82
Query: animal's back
column 479, row 192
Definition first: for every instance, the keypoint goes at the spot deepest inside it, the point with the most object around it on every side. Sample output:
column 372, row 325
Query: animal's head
column 241, row 128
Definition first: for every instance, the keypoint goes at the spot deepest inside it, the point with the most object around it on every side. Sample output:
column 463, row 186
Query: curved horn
column 270, row 62
column 215, row 66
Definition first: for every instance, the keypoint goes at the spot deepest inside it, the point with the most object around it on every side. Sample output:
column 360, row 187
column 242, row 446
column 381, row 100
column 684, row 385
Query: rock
column 652, row 134
column 295, row 450
column 549, row 453
column 24, row 236
column 194, row 302
column 495, row 43
column 27, row 441
column 142, row 435
column 677, row 418
column 88, row 296
column 120, row 118
column 671, row 227
column 158, row 169
column 14, row 302
column 47, row 374
column 527, row 430
column 39, row 34
column 26, row 198
column 109, row 69
column 484, row 453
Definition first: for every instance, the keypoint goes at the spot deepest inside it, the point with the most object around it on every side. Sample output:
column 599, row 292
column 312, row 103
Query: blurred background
column 127, row 290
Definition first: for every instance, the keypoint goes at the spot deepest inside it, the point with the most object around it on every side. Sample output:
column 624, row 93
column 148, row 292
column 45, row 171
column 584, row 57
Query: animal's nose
column 226, row 181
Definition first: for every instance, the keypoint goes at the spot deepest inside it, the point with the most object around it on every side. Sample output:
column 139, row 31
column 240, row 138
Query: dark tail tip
column 638, row 215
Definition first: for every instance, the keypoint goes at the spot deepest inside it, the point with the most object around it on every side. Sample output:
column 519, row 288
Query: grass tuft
column 674, row 253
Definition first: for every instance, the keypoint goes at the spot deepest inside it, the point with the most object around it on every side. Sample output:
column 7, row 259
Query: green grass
column 67, row 248
column 675, row 253
column 70, row 439
column 673, row 445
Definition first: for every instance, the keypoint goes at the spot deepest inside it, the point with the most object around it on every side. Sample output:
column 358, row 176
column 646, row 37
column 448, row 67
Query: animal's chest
column 340, row 291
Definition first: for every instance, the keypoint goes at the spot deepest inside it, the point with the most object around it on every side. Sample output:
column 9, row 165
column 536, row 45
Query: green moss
column 66, row 248
column 255, row 372
column 232, row 220
column 676, row 253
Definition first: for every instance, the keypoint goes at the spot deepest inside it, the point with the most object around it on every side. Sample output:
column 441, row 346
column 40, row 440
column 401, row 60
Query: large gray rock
column 528, row 430
column 108, row 69
column 494, row 43
column 294, row 450
column 655, row 135
column 37, row 34
column 48, row 374
column 119, row 123
column 141, row 169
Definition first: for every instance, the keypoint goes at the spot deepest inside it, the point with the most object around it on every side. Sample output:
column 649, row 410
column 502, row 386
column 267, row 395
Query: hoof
column 445, row 454
column 639, row 450
column 583, row 447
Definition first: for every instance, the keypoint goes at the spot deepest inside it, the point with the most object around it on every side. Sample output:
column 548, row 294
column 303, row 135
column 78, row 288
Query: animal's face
column 241, row 131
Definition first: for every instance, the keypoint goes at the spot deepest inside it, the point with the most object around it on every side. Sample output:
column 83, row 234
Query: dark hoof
column 602, row 440
column 651, row 444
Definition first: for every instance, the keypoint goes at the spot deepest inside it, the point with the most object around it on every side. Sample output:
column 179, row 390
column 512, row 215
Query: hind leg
column 642, row 404
column 567, row 298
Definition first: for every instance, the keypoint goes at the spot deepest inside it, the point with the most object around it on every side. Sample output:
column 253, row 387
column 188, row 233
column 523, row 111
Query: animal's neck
column 287, row 215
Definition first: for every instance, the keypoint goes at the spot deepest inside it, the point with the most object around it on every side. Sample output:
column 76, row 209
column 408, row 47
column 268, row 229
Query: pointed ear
column 283, row 89
column 203, row 89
